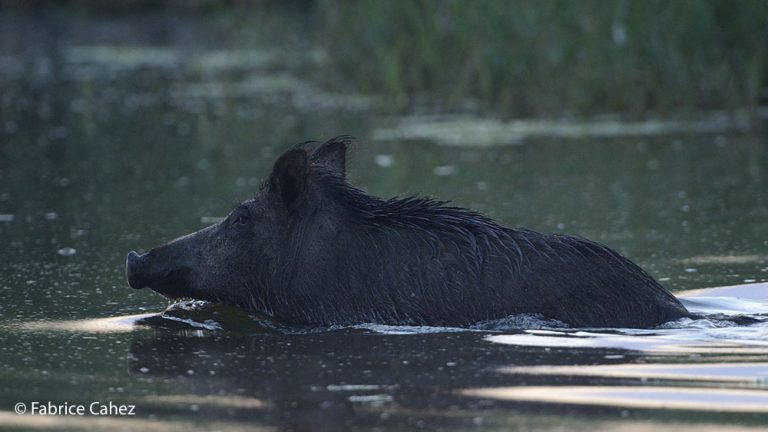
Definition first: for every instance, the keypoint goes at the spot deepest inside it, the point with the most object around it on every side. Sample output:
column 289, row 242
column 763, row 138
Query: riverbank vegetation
column 545, row 58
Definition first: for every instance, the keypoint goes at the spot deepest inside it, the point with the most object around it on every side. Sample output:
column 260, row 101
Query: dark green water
column 119, row 133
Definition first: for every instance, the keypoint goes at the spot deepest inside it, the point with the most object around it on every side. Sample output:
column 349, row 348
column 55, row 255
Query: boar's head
column 246, row 258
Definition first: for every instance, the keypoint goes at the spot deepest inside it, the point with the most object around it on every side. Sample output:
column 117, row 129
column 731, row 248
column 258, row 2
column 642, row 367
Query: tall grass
column 550, row 57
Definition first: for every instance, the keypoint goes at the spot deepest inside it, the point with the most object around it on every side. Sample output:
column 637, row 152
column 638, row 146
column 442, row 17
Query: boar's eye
column 242, row 220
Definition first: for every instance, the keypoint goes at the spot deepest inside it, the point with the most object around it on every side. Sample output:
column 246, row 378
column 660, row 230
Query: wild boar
column 311, row 249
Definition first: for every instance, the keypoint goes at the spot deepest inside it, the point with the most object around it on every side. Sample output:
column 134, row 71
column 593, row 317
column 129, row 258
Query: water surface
column 113, row 139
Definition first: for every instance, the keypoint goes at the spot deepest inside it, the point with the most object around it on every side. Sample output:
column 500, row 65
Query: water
column 114, row 139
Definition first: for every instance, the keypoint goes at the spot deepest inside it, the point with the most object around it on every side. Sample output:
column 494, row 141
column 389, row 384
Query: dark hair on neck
column 411, row 212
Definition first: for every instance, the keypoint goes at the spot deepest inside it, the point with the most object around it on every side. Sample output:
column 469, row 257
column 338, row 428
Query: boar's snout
column 167, row 269
column 136, row 269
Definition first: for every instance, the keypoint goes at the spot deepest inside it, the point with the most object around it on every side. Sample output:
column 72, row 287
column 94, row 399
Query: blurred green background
column 546, row 58
column 550, row 58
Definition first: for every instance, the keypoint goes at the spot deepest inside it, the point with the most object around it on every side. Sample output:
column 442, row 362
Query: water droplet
column 619, row 33
column 384, row 161
column 66, row 251
column 444, row 170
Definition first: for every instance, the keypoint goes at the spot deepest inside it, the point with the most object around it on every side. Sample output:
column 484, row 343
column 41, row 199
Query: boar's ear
column 289, row 175
column 332, row 154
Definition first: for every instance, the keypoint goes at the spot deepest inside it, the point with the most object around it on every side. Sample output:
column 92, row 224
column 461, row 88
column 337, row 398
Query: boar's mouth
column 144, row 271
column 173, row 284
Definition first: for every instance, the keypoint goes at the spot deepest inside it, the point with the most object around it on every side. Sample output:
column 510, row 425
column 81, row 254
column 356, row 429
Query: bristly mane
column 414, row 212
column 429, row 217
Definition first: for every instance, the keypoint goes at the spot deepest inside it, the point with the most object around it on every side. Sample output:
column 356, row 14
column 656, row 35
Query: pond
column 113, row 139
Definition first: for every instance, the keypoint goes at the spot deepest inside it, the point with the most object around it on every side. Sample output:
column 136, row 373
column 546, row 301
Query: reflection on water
column 723, row 340
column 720, row 328
column 98, row 325
column 465, row 130
column 222, row 369
column 109, row 424
column 676, row 398
column 118, row 133
column 741, row 373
